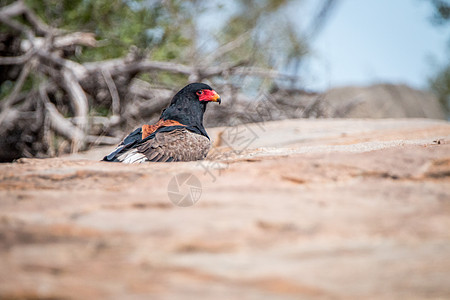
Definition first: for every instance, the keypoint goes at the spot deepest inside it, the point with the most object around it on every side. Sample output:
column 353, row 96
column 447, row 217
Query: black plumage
column 179, row 134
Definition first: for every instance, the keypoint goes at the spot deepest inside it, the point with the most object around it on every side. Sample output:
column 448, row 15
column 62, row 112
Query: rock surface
column 297, row 209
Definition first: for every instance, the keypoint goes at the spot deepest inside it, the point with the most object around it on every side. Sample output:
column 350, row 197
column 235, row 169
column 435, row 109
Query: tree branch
column 14, row 9
column 78, row 70
column 115, row 99
column 77, row 38
column 60, row 124
column 80, row 103
column 16, row 60
column 20, row 8
column 11, row 99
column 17, row 26
column 119, row 66
column 102, row 140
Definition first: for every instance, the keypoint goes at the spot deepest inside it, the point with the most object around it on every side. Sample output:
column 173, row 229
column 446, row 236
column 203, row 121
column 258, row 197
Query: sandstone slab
column 296, row 209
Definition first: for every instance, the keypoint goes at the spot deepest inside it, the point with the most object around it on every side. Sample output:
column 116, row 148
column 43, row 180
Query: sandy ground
column 297, row 209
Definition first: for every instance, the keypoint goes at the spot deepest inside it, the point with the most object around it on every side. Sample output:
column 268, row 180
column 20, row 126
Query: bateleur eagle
column 179, row 134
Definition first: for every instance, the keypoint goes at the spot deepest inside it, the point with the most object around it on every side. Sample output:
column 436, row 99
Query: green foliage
column 6, row 88
column 168, row 29
column 117, row 24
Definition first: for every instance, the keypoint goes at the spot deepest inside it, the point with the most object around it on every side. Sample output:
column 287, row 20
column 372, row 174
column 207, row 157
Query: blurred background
column 81, row 73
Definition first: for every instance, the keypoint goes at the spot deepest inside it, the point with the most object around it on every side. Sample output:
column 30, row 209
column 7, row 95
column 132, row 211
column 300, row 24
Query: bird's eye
column 199, row 92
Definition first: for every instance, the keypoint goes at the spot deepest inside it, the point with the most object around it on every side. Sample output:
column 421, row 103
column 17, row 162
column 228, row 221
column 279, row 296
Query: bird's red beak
column 210, row 95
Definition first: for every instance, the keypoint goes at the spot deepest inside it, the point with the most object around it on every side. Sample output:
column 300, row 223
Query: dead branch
column 59, row 123
column 39, row 26
column 113, row 91
column 77, row 38
column 19, row 8
column 17, row 60
column 14, row 9
column 78, row 70
column 18, row 27
column 78, row 97
column 11, row 99
column 102, row 140
column 120, row 66
column 68, row 88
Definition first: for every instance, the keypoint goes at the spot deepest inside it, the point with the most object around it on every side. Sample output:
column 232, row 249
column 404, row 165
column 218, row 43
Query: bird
column 178, row 135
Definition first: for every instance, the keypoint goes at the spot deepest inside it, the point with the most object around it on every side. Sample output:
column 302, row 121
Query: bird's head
column 200, row 92
column 189, row 104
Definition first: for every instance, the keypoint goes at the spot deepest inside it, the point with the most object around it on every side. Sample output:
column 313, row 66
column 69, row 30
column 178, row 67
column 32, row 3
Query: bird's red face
column 208, row 95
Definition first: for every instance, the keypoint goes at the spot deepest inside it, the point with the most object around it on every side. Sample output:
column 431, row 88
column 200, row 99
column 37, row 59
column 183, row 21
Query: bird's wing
column 140, row 135
column 127, row 143
column 165, row 146
column 176, row 145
